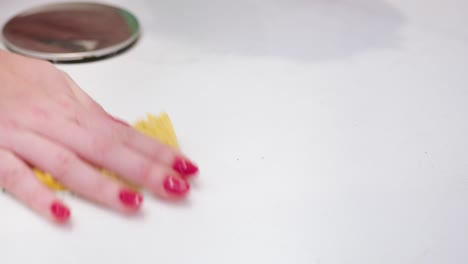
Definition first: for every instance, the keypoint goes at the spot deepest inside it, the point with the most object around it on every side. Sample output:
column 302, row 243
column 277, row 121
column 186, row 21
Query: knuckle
column 100, row 147
column 41, row 114
column 8, row 129
column 143, row 171
column 162, row 152
column 34, row 194
column 101, row 185
column 10, row 176
column 64, row 162
column 155, row 151
column 9, row 124
column 33, row 114
column 126, row 136
column 64, row 102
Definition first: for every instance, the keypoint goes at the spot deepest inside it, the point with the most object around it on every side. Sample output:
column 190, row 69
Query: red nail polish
column 176, row 186
column 120, row 121
column 184, row 167
column 131, row 198
column 60, row 211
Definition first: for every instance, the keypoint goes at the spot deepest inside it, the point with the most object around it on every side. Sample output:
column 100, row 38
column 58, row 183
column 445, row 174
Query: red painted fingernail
column 131, row 198
column 120, row 121
column 184, row 167
column 60, row 211
column 176, row 186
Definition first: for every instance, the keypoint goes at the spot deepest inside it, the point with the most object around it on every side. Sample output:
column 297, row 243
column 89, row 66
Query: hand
column 48, row 122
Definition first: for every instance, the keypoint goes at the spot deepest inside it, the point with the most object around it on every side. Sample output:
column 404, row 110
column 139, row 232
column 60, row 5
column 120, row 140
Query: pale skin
column 47, row 121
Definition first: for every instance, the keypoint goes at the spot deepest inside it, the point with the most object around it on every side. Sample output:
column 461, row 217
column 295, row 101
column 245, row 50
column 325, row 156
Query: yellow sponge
column 157, row 127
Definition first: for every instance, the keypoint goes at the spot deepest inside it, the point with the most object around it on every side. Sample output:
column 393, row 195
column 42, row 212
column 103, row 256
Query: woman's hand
column 48, row 122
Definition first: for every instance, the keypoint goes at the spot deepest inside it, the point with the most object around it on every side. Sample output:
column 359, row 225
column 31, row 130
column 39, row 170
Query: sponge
column 157, row 127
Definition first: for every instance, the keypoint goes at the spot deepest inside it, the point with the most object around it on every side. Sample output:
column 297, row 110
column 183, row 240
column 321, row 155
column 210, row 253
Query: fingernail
column 60, row 211
column 120, row 121
column 176, row 186
column 130, row 198
column 184, row 167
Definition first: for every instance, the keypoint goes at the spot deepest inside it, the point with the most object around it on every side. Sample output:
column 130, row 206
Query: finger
column 18, row 179
column 159, row 151
column 74, row 173
column 84, row 99
column 151, row 148
column 134, row 139
column 108, row 153
column 89, row 103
